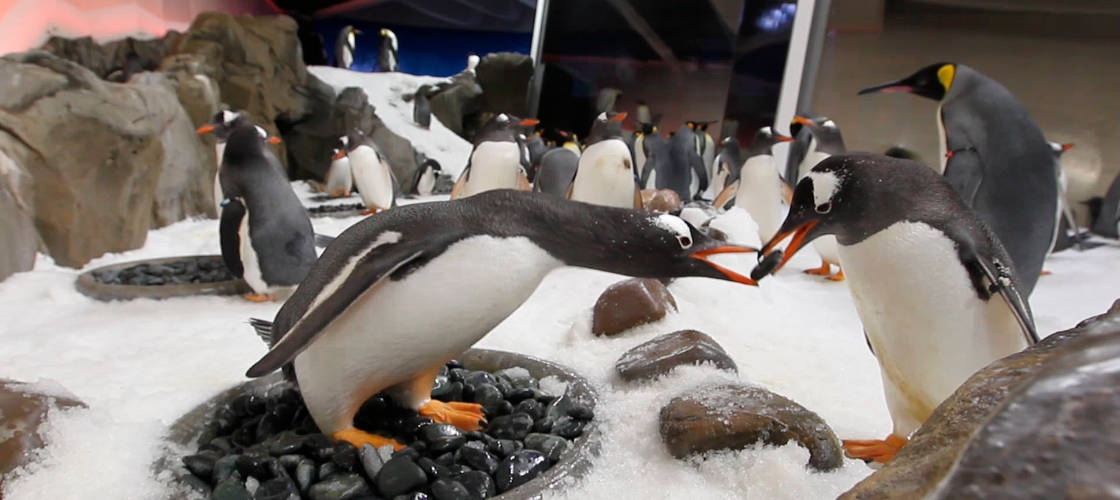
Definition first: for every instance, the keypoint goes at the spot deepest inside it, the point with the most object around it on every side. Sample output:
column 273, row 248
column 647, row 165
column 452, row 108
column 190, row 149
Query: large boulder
column 504, row 78
column 17, row 219
column 1041, row 423
column 455, row 103
column 116, row 60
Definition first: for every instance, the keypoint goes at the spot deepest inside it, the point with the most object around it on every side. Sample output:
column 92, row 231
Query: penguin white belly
column 339, row 179
column 603, row 176
column 249, row 260
column 427, row 182
column 390, row 334
column 372, row 176
column 494, row 165
column 347, row 58
column 219, row 195
column 639, row 153
column 923, row 319
column 718, row 181
column 651, row 182
column 760, row 194
column 828, row 249
column 942, row 146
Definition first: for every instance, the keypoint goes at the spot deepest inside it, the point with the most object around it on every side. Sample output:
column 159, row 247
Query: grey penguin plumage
column 652, row 142
column 537, row 148
column 1104, row 211
column 269, row 233
column 929, row 326
column 605, row 174
column 387, row 52
column 345, row 45
column 726, row 166
column 421, row 107
column 995, row 156
column 803, row 142
column 386, row 270
column 558, row 169
column 497, row 160
column 681, row 168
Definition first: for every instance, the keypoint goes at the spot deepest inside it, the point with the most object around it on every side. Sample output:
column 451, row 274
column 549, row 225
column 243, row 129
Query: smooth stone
column 371, row 461
column 531, row 407
column 286, row 443
column 340, row 487
column 200, row 465
column 504, row 447
column 630, row 303
column 225, row 467
column 514, row 426
column 431, row 468
column 442, row 437
column 386, row 451
column 449, row 489
column 580, row 411
column 661, row 355
column 490, row 397
column 252, row 485
column 553, row 447
column 400, row 475
column 231, row 488
column 477, row 459
column 479, row 484
column 734, row 416
column 567, row 427
column 305, row 474
column 276, row 489
column 250, row 465
column 519, row 468
column 326, row 470
column 518, row 377
column 345, row 456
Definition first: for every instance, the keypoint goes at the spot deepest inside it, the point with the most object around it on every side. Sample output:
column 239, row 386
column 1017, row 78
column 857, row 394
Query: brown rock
column 734, row 417
column 661, row 355
column 630, row 303
column 1066, row 437
column 661, row 200
column 17, row 219
column 22, row 410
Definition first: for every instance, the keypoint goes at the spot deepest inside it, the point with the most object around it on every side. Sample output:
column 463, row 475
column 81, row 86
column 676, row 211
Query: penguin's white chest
column 372, row 176
column 926, row 325
column 494, row 165
column 250, row 262
column 219, row 195
column 760, row 194
column 639, row 153
column 427, row 182
column 605, row 175
column 942, row 145
column 339, row 179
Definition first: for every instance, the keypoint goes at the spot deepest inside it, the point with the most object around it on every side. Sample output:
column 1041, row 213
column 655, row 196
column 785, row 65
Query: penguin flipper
column 697, row 164
column 229, row 233
column 263, row 329
column 369, row 270
column 964, row 171
column 999, row 280
column 457, row 189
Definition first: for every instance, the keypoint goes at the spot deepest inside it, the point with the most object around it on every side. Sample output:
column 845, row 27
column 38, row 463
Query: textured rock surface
column 661, row 200
column 104, row 60
column 630, row 303
column 504, row 78
column 453, row 104
column 23, row 409
column 662, row 354
column 996, row 395
column 17, row 219
column 732, row 417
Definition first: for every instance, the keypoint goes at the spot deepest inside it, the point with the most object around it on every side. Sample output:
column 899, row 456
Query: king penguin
column 931, row 326
column 994, row 154
column 373, row 176
column 345, row 45
column 497, row 158
column 340, row 181
column 826, row 142
column 605, row 175
column 387, row 58
column 570, row 141
column 558, row 169
column 758, row 189
column 498, row 246
column 652, row 142
column 265, row 232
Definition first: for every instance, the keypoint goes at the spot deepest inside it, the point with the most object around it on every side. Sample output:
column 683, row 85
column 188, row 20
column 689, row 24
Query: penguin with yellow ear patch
column 995, row 156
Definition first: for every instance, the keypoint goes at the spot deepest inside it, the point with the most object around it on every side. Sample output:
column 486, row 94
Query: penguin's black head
column 223, row 122
column 933, row 81
column 765, row 139
column 1057, row 148
column 607, row 124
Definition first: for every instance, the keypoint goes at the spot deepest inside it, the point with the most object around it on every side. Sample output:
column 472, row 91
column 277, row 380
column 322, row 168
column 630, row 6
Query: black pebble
column 490, row 397
column 767, row 265
column 442, row 437
column 345, row 456
column 514, row 426
column 445, row 489
column 580, row 411
column 476, row 458
column 305, row 474
column 531, row 407
column 200, row 465
column 400, row 475
column 519, row 468
column 286, row 443
column 503, row 447
column 225, row 467
column 231, row 489
column 567, row 427
column 371, row 461
column 553, row 447
column 276, row 489
column 479, row 484
column 340, row 487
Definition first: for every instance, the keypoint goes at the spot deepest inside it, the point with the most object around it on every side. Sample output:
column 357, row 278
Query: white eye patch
column 228, row 116
column 345, row 140
column 602, row 117
column 825, row 185
column 262, row 132
column 677, row 226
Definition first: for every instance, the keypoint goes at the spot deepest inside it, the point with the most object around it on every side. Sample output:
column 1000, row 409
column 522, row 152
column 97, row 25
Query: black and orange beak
column 274, row 140
column 338, row 154
column 782, row 138
column 1067, row 146
column 209, row 127
column 619, row 117
column 702, row 255
column 799, row 239
column 529, row 121
column 804, row 121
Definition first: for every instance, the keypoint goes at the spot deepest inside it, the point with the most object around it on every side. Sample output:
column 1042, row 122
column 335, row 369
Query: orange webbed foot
column 1045, row 273
column 879, row 450
column 466, row 416
column 824, row 270
column 839, row 276
column 259, row 297
column 359, row 437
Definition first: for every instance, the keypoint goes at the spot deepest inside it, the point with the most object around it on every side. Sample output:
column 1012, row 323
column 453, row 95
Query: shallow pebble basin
column 92, row 283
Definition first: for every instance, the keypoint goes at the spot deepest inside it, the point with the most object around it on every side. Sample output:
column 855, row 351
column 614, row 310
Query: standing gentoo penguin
column 353, row 327
column 726, row 167
column 536, row 148
column 387, row 58
column 424, row 182
column 372, row 174
column 826, row 142
column 924, row 272
column 265, row 232
column 340, row 181
column 421, row 108
column 496, row 161
column 344, row 46
column 758, row 189
column 558, row 169
column 221, row 124
column 605, row 175
column 995, row 156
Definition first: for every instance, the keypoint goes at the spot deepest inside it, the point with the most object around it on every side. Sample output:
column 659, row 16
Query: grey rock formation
column 17, row 219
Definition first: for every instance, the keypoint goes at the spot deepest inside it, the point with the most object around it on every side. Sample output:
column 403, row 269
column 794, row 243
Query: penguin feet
column 839, row 276
column 466, row 416
column 259, row 297
column 824, row 270
column 1044, row 273
column 370, row 211
column 879, row 450
column 359, row 437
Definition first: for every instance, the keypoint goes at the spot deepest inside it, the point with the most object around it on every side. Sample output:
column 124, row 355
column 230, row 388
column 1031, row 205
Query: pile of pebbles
column 336, row 208
column 183, row 272
column 268, row 447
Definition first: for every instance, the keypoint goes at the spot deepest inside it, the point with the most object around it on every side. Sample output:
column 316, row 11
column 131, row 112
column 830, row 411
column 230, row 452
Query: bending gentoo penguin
column 496, row 161
column 372, row 174
column 354, row 327
column 265, row 232
column 995, row 156
column 558, row 169
column 344, row 46
column 933, row 286
column 424, row 182
column 387, row 58
column 827, row 141
column 803, row 142
column 421, row 108
column 725, row 169
column 339, row 179
column 758, row 190
column 605, row 175
column 221, row 125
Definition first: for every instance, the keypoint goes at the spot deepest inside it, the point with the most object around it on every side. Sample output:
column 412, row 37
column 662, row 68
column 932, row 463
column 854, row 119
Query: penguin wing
column 229, row 233
column 366, row 272
column 999, row 280
column 697, row 164
column 964, row 171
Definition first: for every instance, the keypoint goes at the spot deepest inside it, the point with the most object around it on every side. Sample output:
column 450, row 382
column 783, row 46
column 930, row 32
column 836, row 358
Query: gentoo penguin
column 424, row 182
column 374, row 178
column 558, row 169
column 340, row 182
column 221, row 125
column 345, row 45
column 265, row 232
column 826, row 142
column 934, row 288
column 995, row 156
column 357, row 324
column 803, row 142
column 678, row 167
column 1067, row 221
column 758, row 190
column 387, row 58
column 497, row 158
column 605, row 175
column 725, row 168
column 421, row 108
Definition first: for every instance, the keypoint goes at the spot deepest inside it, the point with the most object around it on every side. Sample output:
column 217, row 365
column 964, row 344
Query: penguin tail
column 263, row 329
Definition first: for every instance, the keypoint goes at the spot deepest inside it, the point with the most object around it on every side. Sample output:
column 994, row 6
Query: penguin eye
column 685, row 241
column 824, row 208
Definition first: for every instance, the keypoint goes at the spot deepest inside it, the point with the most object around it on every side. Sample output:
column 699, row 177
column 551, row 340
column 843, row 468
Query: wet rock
column 514, row 426
column 630, row 303
column 200, row 465
column 661, row 200
column 519, row 468
column 400, row 475
column 477, row 458
column 553, row 447
column 17, row 219
column 446, row 489
column 1041, row 423
column 23, row 408
column 340, row 487
column 478, row 484
column 305, row 474
column 442, row 437
column 567, row 427
column 733, row 416
column 276, row 489
column 231, row 488
column 662, row 354
column 345, row 456
column 371, row 461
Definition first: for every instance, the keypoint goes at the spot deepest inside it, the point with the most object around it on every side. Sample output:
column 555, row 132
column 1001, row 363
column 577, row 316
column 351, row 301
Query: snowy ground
column 141, row 364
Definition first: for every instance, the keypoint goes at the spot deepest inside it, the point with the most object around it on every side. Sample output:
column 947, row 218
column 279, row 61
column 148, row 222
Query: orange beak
column 619, row 117
column 338, row 155
column 529, row 121
column 782, row 138
column 731, row 275
column 274, row 140
column 1067, row 146
column 209, row 127
column 804, row 121
column 794, row 245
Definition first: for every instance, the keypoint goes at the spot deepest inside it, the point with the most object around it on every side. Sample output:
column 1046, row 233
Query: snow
column 385, row 91
column 139, row 365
